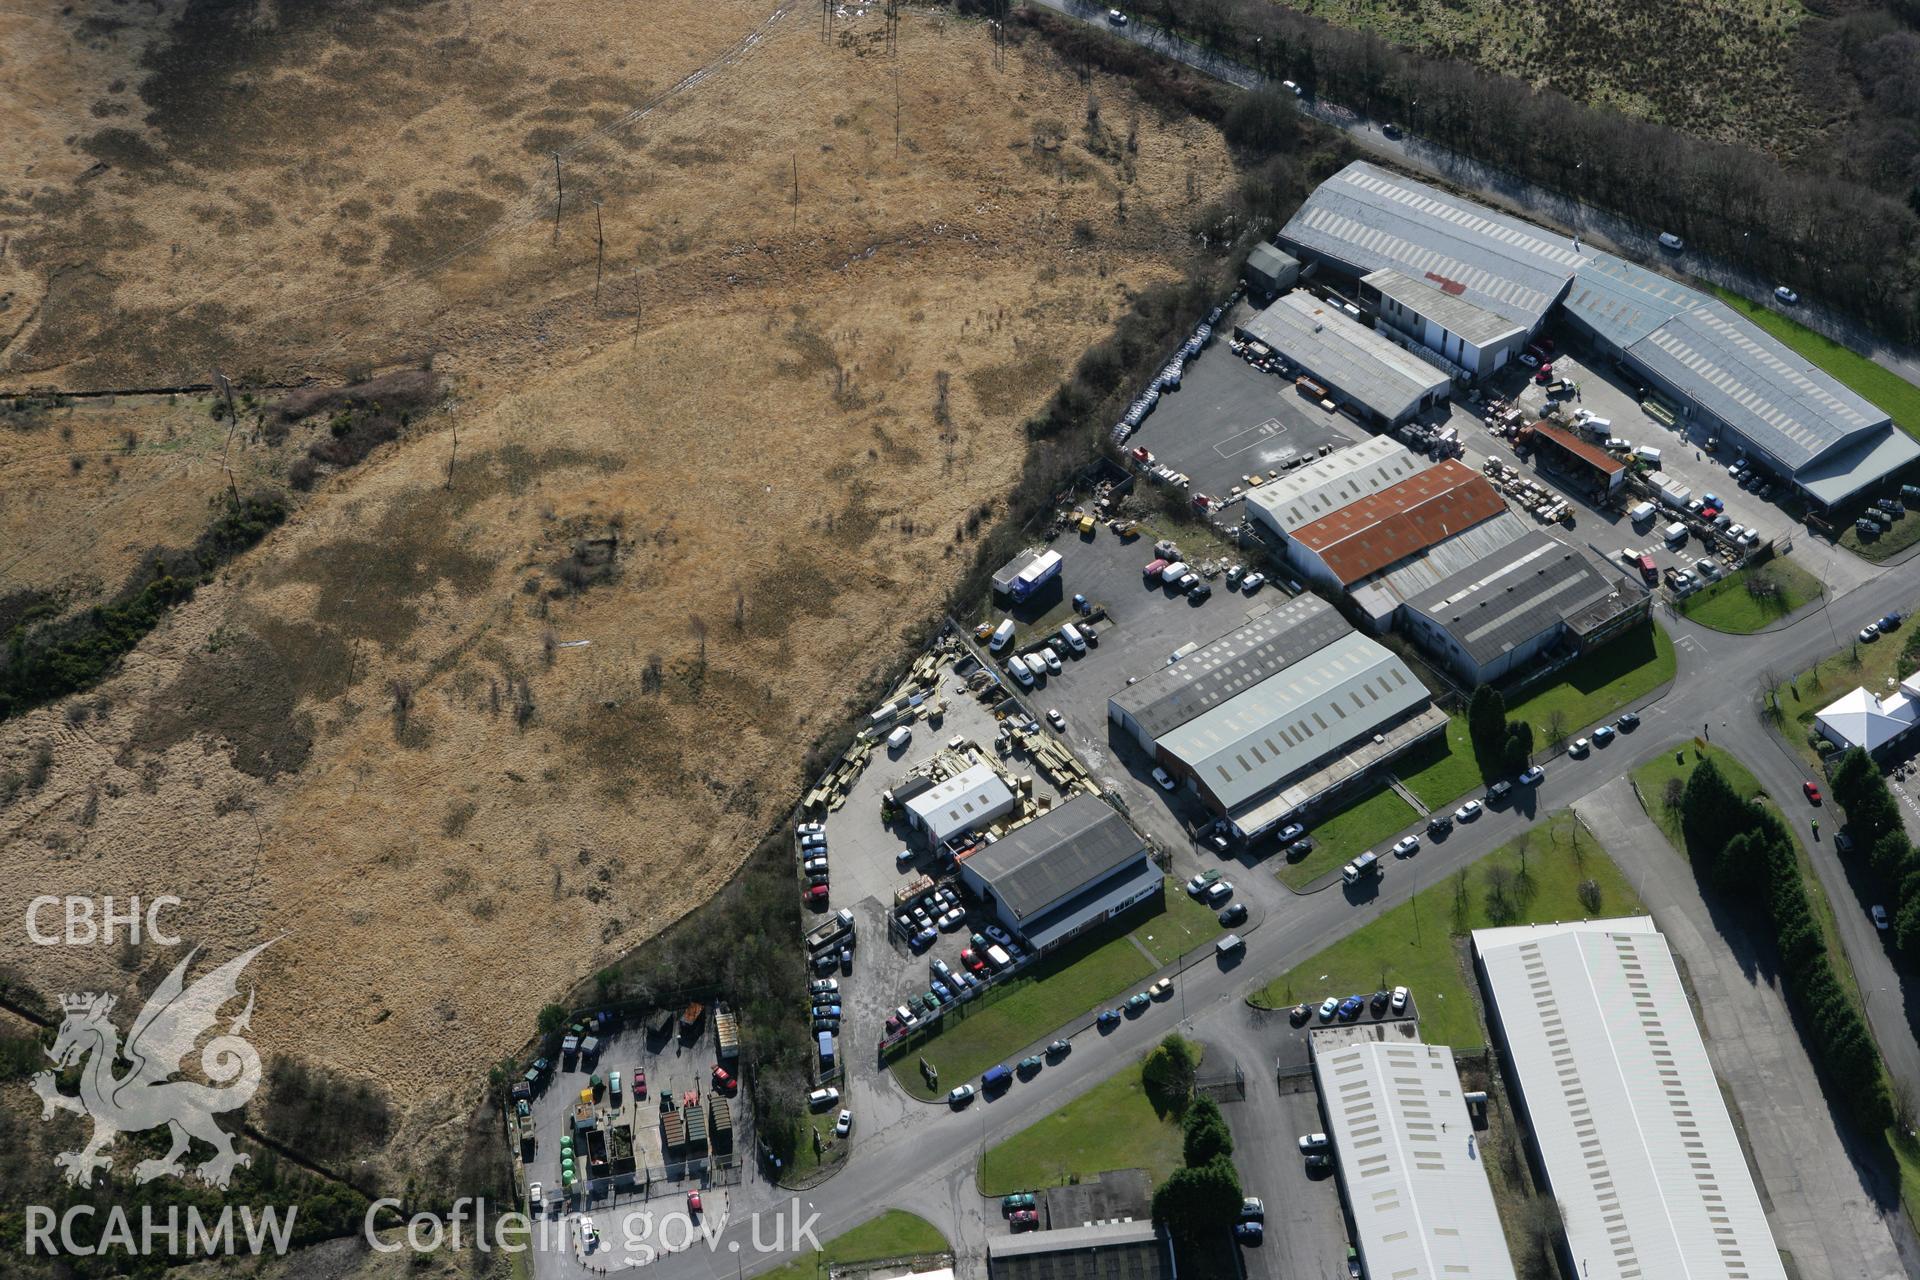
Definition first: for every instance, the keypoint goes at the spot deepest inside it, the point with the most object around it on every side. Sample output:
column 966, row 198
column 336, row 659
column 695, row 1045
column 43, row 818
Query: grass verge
column 1882, row 386
column 894, row 1234
column 1903, row 1151
column 1728, row 605
column 1111, row 1126
column 1356, row 828
column 1420, row 943
column 1857, row 665
column 1083, row 974
column 1601, row 684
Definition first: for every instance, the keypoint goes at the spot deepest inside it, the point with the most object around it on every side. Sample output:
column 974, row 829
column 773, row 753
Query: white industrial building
column 1626, row 1115
column 1381, row 381
column 1364, row 219
column 969, row 800
column 1410, row 1162
column 1303, row 495
column 1871, row 722
column 1479, row 341
column 1066, row 871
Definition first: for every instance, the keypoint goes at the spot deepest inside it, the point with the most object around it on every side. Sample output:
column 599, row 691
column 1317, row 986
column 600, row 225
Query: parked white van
column 1647, row 453
column 899, row 738
column 1641, row 511
column 1676, row 533
column 1175, row 571
column 1018, row 667
column 1002, row 636
column 1075, row 641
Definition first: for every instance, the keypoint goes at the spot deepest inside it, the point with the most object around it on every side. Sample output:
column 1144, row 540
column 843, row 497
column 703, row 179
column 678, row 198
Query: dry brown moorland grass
column 375, row 736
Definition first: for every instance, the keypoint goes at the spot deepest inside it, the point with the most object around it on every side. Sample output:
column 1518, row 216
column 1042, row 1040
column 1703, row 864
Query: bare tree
column 1556, row 727
column 1501, row 908
column 402, row 691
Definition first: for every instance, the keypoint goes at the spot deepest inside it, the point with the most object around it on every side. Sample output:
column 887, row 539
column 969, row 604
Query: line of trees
column 43, row 661
column 1202, row 1198
column 1849, row 245
column 1879, row 840
column 1744, row 851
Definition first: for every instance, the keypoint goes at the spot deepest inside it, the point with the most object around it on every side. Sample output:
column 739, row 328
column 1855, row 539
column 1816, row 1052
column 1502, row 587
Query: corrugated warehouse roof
column 1368, row 218
column 1304, row 495
column 1584, row 450
column 1340, row 350
column 1625, row 1111
column 1270, row 261
column 1422, row 1206
column 1097, row 1251
column 971, row 798
column 1235, row 662
column 1290, row 722
column 1056, row 855
column 1506, row 600
column 1745, row 377
column 1366, row 536
column 1624, row 302
column 1383, row 592
column 1453, row 312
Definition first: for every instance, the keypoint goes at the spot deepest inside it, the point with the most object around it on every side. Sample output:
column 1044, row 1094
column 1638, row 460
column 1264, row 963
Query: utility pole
column 559, row 196
column 796, row 188
column 233, row 421
column 896, row 111
column 599, row 251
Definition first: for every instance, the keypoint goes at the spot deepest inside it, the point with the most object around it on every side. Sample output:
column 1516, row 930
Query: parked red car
column 693, row 1202
column 1813, row 792
column 639, row 1084
column 818, row 893
column 722, row 1079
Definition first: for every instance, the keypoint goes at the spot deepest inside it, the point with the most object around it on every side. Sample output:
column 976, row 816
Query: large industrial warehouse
column 1278, row 716
column 1458, row 278
column 1063, row 873
column 1626, row 1116
column 1409, row 1163
column 1511, row 608
column 1364, row 219
column 1300, row 497
column 1363, row 537
column 1384, row 383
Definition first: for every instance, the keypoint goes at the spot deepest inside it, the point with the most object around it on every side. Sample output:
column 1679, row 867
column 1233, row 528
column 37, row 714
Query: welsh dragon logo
column 147, row 1096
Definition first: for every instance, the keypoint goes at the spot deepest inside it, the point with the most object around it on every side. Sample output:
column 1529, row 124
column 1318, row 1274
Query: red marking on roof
column 1579, row 448
column 1453, row 287
column 1366, row 536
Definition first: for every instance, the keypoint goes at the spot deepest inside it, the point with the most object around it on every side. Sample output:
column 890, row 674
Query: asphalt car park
column 1146, row 623
column 669, row 1064
column 1608, row 532
column 1229, row 420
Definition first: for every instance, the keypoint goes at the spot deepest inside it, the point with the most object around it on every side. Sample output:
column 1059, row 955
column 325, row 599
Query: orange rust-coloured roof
column 1579, row 448
column 1366, row 536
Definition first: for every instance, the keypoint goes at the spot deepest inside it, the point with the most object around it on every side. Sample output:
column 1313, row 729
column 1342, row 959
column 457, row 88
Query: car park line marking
column 1254, row 437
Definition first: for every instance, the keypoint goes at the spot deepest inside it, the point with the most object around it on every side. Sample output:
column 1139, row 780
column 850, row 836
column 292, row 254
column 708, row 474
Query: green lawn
column 1355, row 829
column 1727, row 605
column 1111, row 1126
column 1082, row 975
column 1418, row 944
column 1187, row 923
column 1443, row 770
column 1883, row 387
column 894, row 1234
column 1600, row 683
